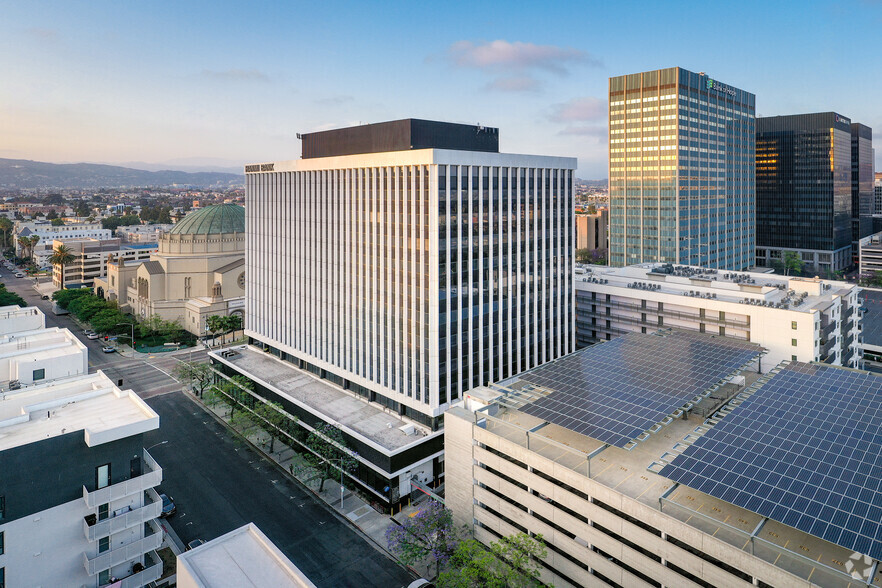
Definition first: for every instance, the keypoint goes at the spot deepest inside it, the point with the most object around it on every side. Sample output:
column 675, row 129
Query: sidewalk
column 356, row 511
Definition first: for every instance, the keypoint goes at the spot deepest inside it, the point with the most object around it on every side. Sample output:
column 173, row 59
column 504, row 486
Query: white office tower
column 407, row 262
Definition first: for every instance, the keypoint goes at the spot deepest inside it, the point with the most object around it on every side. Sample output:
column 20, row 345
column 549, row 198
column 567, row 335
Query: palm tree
column 33, row 240
column 61, row 257
column 24, row 244
column 6, row 226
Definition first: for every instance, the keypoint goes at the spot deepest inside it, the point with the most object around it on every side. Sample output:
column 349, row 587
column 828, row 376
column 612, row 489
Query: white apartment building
column 49, row 234
column 77, row 499
column 243, row 557
column 711, row 494
column 797, row 319
column 30, row 357
column 91, row 257
column 408, row 262
column 15, row 318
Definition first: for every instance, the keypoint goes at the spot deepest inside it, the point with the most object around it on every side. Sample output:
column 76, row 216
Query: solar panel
column 805, row 450
column 615, row 391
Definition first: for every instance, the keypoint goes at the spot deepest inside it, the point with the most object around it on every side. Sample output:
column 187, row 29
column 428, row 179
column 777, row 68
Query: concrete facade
column 48, row 234
column 190, row 277
column 91, row 258
column 79, row 508
column 591, row 230
column 14, row 319
column 818, row 322
column 29, row 357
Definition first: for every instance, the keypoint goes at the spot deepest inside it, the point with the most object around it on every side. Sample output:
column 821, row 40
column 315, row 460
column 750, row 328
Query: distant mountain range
column 25, row 174
column 593, row 183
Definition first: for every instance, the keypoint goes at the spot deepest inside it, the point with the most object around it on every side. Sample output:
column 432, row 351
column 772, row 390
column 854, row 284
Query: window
column 793, row 357
column 39, row 374
column 103, row 511
column 103, row 544
column 103, row 578
column 793, row 342
column 102, row 474
column 2, row 507
column 1, row 542
column 793, row 325
column 2, row 577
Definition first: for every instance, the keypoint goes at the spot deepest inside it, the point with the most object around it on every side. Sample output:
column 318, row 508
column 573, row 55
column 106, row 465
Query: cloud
column 41, row 33
column 236, row 75
column 579, row 110
column 585, row 131
column 334, row 100
column 514, row 84
column 502, row 55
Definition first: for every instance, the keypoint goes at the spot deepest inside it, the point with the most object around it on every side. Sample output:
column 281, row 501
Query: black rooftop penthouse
column 400, row 135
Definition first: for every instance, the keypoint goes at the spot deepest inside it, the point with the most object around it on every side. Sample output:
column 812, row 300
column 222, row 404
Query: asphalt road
column 219, row 483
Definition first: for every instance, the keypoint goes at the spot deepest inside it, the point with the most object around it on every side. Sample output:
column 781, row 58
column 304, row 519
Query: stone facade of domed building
column 199, row 271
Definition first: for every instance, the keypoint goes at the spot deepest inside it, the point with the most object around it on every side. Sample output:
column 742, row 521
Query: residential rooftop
column 14, row 319
column 370, row 421
column 242, row 558
column 750, row 288
column 89, row 403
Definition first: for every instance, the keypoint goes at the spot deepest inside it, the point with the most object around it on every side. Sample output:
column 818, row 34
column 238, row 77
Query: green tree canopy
column 8, row 298
column 64, row 297
column 512, row 562
column 328, row 452
column 429, row 533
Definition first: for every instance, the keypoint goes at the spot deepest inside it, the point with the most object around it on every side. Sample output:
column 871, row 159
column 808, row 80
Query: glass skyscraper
column 862, row 165
column 681, row 170
column 805, row 191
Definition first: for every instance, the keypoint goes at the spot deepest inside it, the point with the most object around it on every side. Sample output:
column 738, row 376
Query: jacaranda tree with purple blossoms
column 430, row 532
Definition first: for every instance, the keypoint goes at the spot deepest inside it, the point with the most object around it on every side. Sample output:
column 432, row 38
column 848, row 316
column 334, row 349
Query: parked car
column 19, row 275
column 168, row 506
column 92, row 335
column 195, row 543
column 108, row 349
column 44, row 297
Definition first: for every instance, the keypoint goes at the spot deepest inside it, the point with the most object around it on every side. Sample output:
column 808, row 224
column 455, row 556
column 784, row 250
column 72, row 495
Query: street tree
column 199, row 375
column 511, row 562
column 234, row 392
column 215, row 324
column 8, row 298
column 32, row 240
column 6, row 226
column 274, row 421
column 430, row 533
column 61, row 257
column 328, row 453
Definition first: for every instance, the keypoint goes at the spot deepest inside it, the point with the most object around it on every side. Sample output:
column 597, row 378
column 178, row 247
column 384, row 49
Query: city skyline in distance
column 117, row 84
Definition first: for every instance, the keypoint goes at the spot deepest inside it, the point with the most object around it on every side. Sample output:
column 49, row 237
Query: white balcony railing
column 152, row 509
column 134, row 550
column 151, row 476
column 151, row 572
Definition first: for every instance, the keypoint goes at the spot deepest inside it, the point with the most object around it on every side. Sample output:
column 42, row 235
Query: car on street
column 168, row 506
column 92, row 335
column 108, row 349
column 195, row 543
column 19, row 275
column 44, row 297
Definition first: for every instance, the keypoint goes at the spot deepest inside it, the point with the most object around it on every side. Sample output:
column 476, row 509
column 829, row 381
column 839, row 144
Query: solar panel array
column 615, row 391
column 804, row 450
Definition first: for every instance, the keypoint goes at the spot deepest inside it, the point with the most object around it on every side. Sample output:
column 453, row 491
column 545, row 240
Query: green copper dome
column 212, row 220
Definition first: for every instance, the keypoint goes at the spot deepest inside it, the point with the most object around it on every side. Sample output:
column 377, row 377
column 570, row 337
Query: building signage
column 843, row 120
column 259, row 167
column 715, row 85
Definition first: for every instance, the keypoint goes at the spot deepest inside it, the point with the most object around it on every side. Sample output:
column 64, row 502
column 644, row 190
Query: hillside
column 25, row 174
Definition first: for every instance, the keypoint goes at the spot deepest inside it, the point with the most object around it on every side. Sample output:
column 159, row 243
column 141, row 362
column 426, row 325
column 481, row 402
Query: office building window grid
column 681, row 170
column 418, row 282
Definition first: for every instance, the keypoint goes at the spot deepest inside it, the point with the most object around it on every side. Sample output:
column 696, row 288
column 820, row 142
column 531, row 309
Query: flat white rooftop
column 14, row 319
column 368, row 420
column 90, row 403
column 748, row 288
column 240, row 559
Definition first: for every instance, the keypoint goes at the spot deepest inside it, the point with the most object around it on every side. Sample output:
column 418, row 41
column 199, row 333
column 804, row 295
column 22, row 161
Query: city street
column 219, row 483
column 147, row 374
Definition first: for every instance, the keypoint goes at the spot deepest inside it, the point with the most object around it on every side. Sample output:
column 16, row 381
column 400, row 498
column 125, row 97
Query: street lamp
column 133, row 335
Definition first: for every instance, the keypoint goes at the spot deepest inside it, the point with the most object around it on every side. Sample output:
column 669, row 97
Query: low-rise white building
column 77, row 499
column 15, row 318
column 142, row 233
column 870, row 251
column 29, row 357
column 244, row 557
column 48, row 234
column 91, row 257
column 804, row 319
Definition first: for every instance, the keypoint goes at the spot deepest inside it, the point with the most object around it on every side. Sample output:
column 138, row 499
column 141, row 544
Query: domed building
column 198, row 271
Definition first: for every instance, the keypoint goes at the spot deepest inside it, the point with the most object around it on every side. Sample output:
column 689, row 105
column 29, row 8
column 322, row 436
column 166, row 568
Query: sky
column 229, row 83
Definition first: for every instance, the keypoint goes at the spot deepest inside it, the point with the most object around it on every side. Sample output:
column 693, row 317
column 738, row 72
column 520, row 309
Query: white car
column 92, row 335
column 19, row 275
